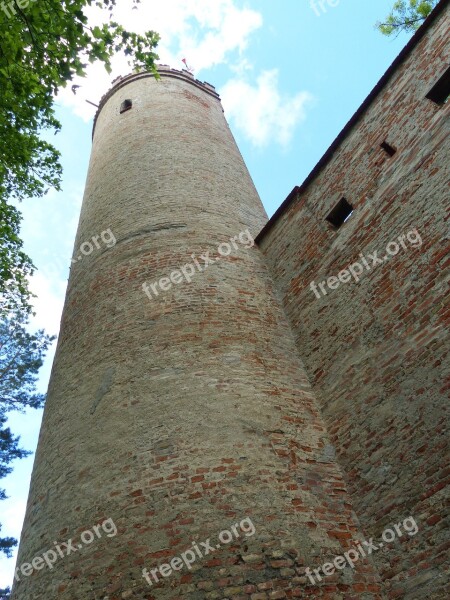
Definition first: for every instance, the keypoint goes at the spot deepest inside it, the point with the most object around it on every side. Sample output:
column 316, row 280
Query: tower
column 179, row 417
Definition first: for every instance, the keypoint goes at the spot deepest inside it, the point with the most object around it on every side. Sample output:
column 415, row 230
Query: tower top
column 164, row 71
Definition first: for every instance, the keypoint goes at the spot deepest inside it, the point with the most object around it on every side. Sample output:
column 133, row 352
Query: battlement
column 163, row 71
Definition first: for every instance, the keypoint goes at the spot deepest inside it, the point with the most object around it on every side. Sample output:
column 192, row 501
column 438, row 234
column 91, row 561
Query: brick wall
column 181, row 415
column 377, row 350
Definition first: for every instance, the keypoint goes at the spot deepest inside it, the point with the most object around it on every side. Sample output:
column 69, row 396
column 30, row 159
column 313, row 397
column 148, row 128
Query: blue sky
column 289, row 78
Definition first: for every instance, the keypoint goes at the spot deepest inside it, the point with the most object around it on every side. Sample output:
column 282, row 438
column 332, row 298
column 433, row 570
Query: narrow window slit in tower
column 126, row 105
column 388, row 148
column 340, row 213
column 440, row 92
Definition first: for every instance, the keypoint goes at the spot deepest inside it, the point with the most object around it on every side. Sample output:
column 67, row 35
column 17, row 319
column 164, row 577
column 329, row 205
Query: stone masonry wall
column 180, row 415
column 377, row 350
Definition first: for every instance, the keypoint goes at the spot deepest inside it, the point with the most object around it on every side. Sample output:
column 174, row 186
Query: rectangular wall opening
column 126, row 105
column 440, row 92
column 340, row 213
column 388, row 148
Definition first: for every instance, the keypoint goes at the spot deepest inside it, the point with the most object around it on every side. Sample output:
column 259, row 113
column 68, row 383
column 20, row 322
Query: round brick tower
column 182, row 454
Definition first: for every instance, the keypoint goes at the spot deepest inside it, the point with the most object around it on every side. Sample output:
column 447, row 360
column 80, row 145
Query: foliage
column 5, row 594
column 42, row 47
column 21, row 356
column 406, row 15
column 15, row 265
column 9, row 450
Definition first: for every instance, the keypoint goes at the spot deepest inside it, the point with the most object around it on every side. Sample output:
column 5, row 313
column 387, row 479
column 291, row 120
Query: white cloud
column 241, row 66
column 261, row 112
column 206, row 33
